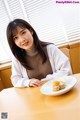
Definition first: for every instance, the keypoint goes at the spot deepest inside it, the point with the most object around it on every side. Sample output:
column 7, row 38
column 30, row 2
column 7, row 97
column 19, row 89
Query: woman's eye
column 15, row 38
column 23, row 32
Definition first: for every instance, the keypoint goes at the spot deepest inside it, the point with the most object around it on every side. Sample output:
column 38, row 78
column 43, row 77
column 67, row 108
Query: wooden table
column 30, row 104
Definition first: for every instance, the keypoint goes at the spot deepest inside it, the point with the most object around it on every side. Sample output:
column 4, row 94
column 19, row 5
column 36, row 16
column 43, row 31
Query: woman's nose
column 22, row 39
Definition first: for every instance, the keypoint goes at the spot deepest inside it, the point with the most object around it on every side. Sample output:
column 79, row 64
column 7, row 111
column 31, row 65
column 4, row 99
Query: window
column 3, row 22
column 58, row 23
column 9, row 10
column 54, row 22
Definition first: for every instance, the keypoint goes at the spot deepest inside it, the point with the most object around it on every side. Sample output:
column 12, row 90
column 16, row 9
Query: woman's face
column 24, row 39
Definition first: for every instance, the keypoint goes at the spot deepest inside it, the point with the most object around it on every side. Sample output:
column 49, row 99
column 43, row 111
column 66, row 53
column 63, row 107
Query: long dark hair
column 18, row 52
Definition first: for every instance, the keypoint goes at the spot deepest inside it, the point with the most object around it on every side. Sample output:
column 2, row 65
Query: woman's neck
column 32, row 52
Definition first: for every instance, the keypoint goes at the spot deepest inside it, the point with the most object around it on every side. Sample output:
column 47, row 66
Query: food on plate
column 59, row 84
column 56, row 85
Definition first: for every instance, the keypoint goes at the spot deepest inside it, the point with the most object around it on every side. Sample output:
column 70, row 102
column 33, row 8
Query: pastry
column 59, row 84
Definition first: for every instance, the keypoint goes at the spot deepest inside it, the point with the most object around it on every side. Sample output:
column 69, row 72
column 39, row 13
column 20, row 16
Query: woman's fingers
column 35, row 82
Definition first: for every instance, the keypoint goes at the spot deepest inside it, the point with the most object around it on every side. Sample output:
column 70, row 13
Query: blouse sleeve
column 17, row 77
column 59, row 62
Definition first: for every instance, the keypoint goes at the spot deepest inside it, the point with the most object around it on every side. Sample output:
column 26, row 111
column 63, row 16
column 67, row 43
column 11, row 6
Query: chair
column 66, row 52
column 1, row 85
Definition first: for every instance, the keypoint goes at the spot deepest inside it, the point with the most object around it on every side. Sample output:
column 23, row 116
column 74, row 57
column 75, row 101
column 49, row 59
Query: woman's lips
column 25, row 44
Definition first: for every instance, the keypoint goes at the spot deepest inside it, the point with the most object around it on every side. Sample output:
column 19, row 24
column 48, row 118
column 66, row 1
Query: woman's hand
column 35, row 82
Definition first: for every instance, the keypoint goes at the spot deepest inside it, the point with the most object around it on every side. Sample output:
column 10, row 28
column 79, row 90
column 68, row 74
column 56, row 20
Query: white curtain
column 54, row 22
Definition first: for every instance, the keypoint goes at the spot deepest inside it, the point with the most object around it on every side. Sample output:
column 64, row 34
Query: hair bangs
column 14, row 28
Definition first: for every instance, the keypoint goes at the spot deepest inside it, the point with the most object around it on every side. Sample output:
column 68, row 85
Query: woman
column 33, row 59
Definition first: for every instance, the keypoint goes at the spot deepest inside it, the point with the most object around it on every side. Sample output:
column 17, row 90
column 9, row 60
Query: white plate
column 47, row 87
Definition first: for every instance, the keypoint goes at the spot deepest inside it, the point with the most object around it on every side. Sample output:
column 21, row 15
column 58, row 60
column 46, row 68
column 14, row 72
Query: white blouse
column 59, row 62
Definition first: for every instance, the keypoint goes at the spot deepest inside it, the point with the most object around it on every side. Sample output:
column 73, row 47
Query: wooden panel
column 1, row 85
column 74, row 52
column 5, row 76
column 5, row 66
column 75, row 57
column 66, row 52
